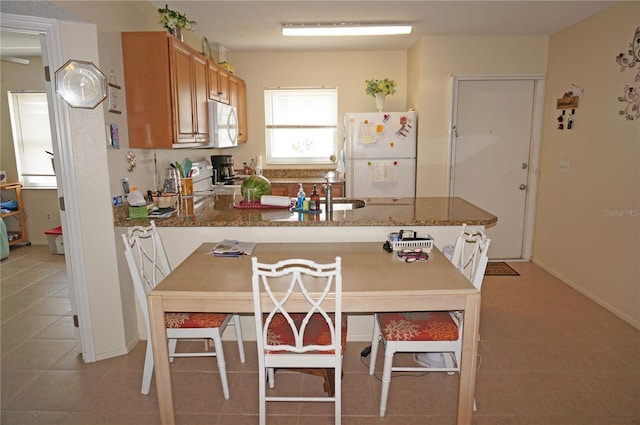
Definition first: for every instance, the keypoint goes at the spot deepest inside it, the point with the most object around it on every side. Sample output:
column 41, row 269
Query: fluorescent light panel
column 345, row 29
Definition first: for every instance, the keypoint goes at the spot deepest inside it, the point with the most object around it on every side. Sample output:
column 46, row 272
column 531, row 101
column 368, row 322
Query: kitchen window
column 301, row 125
column 29, row 115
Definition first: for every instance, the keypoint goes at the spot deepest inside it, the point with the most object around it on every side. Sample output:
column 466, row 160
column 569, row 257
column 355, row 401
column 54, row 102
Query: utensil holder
column 186, row 186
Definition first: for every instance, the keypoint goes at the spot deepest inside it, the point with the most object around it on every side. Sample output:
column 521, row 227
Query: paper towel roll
column 280, row 201
column 259, row 161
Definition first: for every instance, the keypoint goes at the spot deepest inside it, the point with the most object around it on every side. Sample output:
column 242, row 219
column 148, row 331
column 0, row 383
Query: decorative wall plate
column 206, row 48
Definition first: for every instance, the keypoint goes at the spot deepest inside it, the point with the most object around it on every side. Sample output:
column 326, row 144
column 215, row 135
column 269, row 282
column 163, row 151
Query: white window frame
column 275, row 120
column 31, row 130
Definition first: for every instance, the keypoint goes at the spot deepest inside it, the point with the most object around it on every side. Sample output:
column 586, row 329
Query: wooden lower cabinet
column 291, row 189
column 279, row 189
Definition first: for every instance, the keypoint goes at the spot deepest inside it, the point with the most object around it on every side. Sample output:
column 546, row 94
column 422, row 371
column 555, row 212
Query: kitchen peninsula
column 213, row 218
column 219, row 211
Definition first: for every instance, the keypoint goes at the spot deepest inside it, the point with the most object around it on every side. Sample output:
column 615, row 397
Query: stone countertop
column 219, row 211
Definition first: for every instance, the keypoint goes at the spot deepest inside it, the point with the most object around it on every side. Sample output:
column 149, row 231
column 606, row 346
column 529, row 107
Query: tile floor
column 549, row 356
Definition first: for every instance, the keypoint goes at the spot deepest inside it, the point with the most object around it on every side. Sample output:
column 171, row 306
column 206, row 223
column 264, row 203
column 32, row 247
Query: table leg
column 469, row 361
column 161, row 360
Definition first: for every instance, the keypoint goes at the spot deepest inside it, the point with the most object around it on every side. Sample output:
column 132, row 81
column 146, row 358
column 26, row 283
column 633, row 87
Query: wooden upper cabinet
column 223, row 85
column 200, row 91
column 238, row 98
column 218, row 79
column 189, row 82
column 166, row 91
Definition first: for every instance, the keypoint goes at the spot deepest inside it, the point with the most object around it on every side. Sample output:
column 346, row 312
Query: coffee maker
column 223, row 172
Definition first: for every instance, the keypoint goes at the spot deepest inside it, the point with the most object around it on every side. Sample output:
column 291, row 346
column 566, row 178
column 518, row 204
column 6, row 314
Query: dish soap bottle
column 315, row 199
column 301, row 197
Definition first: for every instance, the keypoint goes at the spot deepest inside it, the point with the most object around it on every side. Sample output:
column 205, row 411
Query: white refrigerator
column 380, row 154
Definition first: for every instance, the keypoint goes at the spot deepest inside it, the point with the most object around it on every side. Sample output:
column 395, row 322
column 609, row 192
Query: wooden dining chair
column 423, row 333
column 295, row 330
column 148, row 265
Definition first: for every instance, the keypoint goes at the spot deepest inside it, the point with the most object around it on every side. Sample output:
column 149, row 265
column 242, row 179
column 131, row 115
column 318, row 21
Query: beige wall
column 345, row 70
column 37, row 202
column 438, row 59
column 588, row 221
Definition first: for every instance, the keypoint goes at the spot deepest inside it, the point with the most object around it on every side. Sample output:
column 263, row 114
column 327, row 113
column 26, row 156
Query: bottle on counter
column 315, row 199
column 245, row 169
column 301, row 197
column 340, row 170
column 252, row 167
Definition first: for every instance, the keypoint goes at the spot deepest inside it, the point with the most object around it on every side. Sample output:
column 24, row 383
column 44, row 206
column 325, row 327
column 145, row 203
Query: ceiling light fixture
column 346, row 29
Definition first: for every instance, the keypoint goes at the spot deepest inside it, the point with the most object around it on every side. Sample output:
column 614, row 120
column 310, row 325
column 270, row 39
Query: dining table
column 373, row 280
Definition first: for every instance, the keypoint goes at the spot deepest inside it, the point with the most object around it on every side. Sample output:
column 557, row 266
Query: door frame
column 49, row 31
column 534, row 148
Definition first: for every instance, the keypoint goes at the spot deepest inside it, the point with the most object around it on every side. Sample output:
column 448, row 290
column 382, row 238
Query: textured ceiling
column 255, row 25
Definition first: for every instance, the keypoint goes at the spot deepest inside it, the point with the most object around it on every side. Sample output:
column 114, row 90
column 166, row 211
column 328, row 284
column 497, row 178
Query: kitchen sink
column 342, row 204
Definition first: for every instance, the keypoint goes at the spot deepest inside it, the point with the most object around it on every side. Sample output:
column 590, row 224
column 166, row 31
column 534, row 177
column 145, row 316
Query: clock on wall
column 81, row 84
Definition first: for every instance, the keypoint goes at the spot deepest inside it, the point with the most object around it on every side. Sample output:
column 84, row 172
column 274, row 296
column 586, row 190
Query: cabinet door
column 238, row 98
column 184, row 112
column 223, row 85
column 280, row 190
column 337, row 189
column 243, row 135
column 201, row 116
column 149, row 89
column 212, row 79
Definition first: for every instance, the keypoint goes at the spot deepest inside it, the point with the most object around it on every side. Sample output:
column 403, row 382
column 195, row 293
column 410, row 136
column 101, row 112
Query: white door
column 491, row 144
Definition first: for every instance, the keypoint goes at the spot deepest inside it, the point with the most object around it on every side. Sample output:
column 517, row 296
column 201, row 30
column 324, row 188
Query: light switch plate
column 564, row 166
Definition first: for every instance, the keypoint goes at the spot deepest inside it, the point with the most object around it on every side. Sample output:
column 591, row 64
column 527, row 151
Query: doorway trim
column 49, row 31
column 534, row 149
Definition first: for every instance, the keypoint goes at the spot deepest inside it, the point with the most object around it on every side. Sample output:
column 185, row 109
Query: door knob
column 523, row 187
column 525, row 165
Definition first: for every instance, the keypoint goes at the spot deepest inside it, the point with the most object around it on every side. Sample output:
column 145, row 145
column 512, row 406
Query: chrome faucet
column 328, row 200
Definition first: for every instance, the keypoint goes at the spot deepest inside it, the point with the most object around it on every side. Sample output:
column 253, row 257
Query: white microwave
column 223, row 125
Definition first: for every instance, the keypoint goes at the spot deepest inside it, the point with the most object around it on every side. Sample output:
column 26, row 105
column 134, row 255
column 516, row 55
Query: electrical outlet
column 564, row 166
column 49, row 216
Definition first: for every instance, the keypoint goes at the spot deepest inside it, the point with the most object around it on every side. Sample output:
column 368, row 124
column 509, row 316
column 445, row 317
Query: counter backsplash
column 293, row 173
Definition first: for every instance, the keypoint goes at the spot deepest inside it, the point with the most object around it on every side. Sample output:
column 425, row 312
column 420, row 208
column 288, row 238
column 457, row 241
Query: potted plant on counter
column 379, row 89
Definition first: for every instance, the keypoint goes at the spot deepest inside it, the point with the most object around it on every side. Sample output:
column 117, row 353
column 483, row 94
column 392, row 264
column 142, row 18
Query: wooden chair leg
column 327, row 374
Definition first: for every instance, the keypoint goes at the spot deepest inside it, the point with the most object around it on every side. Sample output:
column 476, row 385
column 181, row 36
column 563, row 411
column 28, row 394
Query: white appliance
column 223, row 125
column 202, row 176
column 380, row 154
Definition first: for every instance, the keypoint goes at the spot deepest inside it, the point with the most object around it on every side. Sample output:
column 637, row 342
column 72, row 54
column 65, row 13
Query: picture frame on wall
column 114, row 98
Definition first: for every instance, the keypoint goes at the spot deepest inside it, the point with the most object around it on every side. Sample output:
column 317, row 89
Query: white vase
column 380, row 101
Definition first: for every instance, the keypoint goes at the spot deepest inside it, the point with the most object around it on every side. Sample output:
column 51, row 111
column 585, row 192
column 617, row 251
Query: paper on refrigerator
column 383, row 172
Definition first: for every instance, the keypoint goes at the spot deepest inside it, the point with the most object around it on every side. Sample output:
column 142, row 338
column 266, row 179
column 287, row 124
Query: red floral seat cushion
column 194, row 320
column 316, row 333
column 418, row 326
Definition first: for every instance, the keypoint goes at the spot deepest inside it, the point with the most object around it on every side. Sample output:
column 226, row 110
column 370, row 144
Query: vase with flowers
column 175, row 22
column 379, row 89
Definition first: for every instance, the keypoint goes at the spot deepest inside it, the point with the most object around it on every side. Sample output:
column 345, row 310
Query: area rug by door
column 499, row 268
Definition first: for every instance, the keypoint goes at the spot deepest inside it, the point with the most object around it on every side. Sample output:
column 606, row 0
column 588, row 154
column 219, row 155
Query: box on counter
column 140, row 212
